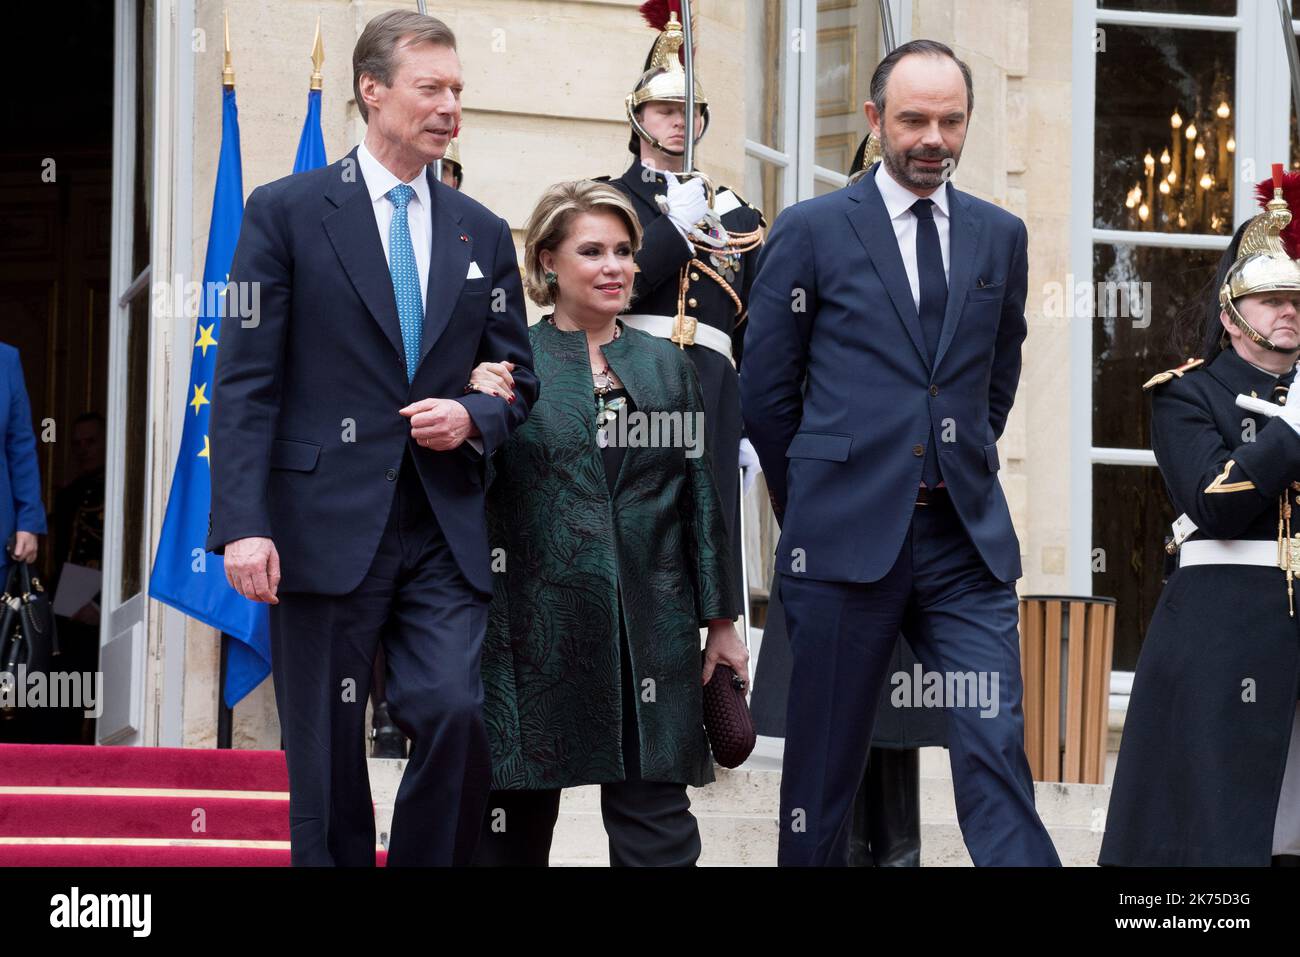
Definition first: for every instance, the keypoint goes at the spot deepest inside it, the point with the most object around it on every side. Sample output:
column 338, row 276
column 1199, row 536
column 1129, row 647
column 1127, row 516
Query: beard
column 902, row 164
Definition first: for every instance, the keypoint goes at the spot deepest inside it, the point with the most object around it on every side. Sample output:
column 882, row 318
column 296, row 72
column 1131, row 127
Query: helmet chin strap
column 1249, row 331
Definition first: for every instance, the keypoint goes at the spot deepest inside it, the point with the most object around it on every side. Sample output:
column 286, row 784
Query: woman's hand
column 494, row 378
column 724, row 646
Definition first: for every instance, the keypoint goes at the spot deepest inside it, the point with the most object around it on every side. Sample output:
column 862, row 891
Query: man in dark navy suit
column 348, row 462
column 881, row 360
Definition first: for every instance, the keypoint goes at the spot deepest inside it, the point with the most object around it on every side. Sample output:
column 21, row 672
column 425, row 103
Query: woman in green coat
column 610, row 555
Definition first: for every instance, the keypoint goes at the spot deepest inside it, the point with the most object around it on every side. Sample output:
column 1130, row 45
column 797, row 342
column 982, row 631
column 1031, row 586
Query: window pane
column 144, row 119
column 765, row 184
column 1131, row 515
column 136, row 425
column 765, row 67
column 1212, row 8
column 848, row 49
column 1146, row 319
column 1295, row 138
column 1175, row 127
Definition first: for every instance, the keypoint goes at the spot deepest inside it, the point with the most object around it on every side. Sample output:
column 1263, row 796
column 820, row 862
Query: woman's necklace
column 602, row 383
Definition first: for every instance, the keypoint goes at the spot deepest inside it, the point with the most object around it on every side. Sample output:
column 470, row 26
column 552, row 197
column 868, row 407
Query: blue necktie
column 406, row 277
column 934, row 299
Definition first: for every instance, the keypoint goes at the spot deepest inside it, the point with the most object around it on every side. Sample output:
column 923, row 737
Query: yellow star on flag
column 200, row 399
column 205, row 339
column 205, row 453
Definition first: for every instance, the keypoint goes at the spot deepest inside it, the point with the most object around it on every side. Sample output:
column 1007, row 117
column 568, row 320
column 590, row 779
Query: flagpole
column 225, row 713
column 317, row 59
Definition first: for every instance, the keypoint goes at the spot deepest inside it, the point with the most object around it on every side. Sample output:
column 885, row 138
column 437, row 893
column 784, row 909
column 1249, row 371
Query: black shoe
column 387, row 740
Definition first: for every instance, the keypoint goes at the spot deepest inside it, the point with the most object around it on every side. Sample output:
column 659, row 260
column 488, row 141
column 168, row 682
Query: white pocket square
column 474, row 271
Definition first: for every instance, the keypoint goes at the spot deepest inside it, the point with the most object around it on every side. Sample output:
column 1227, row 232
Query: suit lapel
column 353, row 233
column 449, row 259
column 870, row 220
column 963, row 245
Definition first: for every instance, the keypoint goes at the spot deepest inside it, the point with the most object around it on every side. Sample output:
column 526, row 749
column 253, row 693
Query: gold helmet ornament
column 663, row 78
column 453, row 151
column 1262, row 264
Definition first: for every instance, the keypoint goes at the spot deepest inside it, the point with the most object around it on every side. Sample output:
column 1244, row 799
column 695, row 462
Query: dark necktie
column 930, row 275
column 934, row 298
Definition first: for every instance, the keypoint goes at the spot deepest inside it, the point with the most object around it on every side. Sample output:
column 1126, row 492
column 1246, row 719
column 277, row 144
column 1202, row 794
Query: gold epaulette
column 1160, row 378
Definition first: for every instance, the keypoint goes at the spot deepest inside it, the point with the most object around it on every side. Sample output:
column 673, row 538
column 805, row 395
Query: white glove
column 1288, row 411
column 687, row 204
column 749, row 466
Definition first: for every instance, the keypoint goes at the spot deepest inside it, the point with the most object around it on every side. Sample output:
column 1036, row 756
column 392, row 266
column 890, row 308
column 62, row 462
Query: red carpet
column 68, row 805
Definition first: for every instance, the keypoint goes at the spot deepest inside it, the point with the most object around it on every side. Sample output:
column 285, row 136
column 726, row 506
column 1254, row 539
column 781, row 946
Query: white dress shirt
column 898, row 202
column 379, row 180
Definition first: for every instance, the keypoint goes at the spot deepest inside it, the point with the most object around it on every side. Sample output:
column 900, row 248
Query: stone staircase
column 738, row 815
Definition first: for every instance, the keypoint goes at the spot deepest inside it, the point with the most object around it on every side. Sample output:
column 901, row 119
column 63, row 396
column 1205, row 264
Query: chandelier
column 1189, row 187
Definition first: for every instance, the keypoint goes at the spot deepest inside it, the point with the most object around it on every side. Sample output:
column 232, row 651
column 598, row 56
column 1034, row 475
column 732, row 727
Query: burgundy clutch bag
column 727, row 721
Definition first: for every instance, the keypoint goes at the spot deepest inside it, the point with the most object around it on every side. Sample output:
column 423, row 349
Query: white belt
column 662, row 326
column 1223, row 552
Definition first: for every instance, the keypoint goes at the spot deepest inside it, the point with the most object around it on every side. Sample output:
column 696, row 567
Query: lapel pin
column 464, row 238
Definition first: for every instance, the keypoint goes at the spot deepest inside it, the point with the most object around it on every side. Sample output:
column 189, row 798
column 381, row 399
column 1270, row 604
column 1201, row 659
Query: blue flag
column 184, row 575
column 311, row 145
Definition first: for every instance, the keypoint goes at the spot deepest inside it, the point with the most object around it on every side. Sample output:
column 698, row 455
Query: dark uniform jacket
column 572, row 553
column 659, row 262
column 1209, row 720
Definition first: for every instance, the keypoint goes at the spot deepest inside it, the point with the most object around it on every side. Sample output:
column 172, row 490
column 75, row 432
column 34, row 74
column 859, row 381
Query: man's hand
column 439, row 424
column 253, row 569
column 25, row 547
column 687, row 204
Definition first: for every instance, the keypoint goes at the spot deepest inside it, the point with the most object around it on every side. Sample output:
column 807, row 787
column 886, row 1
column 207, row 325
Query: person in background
column 78, row 539
column 1208, row 773
column 22, row 514
column 695, row 264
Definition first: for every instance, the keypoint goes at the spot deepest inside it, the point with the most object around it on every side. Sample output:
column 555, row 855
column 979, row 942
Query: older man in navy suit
column 881, row 360
column 348, row 462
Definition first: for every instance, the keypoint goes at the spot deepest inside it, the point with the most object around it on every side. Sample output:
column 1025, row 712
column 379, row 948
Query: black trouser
column 648, row 823
column 431, row 621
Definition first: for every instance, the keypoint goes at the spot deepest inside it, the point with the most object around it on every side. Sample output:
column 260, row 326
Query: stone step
column 738, row 816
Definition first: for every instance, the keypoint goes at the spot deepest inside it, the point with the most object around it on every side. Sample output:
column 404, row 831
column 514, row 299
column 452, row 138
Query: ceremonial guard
column 1209, row 766
column 696, row 261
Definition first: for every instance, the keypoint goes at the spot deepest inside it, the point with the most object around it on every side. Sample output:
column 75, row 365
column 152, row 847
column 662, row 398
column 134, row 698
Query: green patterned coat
column 551, row 659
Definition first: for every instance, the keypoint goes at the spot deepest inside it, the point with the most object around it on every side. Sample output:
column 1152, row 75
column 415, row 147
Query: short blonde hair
column 549, row 224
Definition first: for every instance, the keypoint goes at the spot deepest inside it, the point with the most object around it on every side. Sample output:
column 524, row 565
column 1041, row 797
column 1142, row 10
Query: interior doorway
column 55, row 253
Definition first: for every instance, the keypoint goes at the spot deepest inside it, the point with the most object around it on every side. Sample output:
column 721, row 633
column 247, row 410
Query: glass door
column 126, row 531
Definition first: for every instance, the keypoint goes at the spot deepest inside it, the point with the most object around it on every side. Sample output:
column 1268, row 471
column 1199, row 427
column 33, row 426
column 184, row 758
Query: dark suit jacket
column 306, row 439
column 838, row 394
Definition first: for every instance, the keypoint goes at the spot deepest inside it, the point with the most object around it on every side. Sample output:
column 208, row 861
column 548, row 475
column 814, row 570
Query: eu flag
column 311, row 145
column 184, row 575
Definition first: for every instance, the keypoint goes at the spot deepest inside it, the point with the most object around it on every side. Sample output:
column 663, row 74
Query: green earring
column 551, row 278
